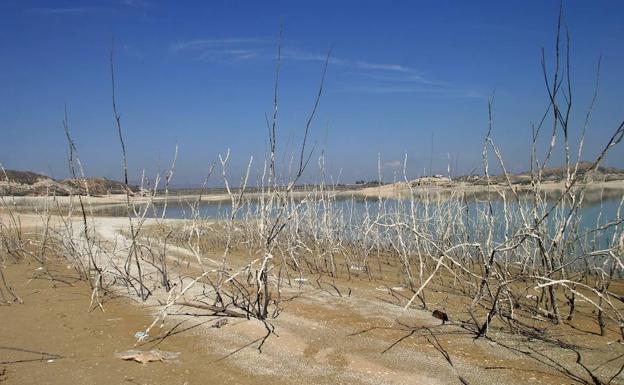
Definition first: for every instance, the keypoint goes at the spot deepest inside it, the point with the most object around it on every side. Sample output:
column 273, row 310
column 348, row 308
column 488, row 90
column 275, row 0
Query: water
column 594, row 212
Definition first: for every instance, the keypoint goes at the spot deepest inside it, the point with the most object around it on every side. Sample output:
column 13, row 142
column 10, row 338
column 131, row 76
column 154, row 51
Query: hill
column 27, row 183
column 552, row 174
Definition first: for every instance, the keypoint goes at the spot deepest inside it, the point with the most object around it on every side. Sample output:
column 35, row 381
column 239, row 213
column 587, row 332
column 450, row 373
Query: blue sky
column 403, row 75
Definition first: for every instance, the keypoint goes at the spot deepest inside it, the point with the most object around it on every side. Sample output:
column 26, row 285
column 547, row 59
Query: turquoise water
column 593, row 213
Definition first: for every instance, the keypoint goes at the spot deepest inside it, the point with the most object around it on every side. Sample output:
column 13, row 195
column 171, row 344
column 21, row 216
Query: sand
column 400, row 190
column 321, row 337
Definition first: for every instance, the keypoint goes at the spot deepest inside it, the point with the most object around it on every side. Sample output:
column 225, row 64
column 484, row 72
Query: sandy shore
column 401, row 190
column 322, row 337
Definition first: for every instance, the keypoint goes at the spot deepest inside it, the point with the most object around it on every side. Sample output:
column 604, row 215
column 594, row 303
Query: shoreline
column 400, row 190
column 343, row 337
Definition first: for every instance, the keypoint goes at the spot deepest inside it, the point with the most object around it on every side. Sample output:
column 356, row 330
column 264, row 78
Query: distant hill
column 551, row 174
column 100, row 186
column 23, row 177
column 559, row 173
column 30, row 183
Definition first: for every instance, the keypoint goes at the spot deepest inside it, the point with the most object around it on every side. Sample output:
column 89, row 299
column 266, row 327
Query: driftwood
column 216, row 309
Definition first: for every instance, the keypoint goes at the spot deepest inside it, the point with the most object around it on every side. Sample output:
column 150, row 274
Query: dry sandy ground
column 54, row 338
column 120, row 199
column 322, row 338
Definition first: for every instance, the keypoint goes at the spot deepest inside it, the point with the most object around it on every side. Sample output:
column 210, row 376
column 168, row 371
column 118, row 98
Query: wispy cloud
column 448, row 91
column 380, row 72
column 259, row 47
column 358, row 64
column 372, row 77
column 234, row 54
column 202, row 44
column 383, row 67
column 406, row 78
column 225, row 48
column 295, row 54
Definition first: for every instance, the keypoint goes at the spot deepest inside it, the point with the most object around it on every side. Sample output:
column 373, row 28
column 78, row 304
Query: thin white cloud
column 383, row 67
column 236, row 54
column 409, row 78
column 205, row 44
column 424, row 80
column 223, row 49
column 292, row 54
column 256, row 47
column 374, row 77
column 398, row 89
column 359, row 64
column 384, row 72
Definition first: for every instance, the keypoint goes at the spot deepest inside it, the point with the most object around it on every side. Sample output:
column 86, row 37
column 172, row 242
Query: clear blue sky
column 201, row 74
